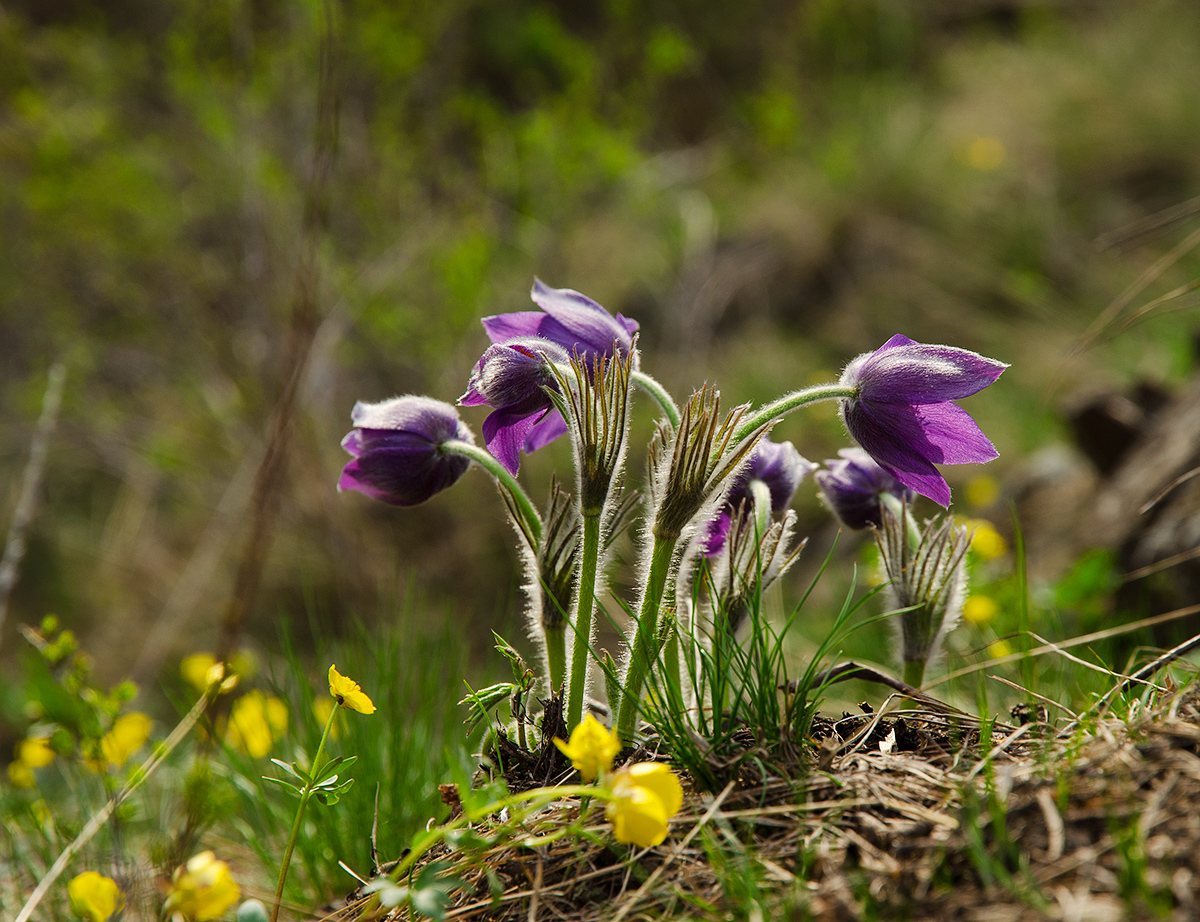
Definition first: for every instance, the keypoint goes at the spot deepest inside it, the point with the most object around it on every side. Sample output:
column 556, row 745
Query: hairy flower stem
column 914, row 672
column 556, row 657
column 584, row 602
column 660, row 395
column 305, row 796
column 507, row 481
column 792, row 401
column 645, row 641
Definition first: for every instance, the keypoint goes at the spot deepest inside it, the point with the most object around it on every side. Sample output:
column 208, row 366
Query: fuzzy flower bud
column 852, row 487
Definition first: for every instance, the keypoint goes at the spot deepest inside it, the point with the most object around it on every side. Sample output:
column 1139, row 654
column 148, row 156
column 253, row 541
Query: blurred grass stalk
column 31, row 482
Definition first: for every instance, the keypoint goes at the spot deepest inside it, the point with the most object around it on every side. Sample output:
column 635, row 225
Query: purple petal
column 500, row 328
column 952, row 430
column 916, row 373
column 893, row 436
column 353, row 442
column 505, row 432
column 575, row 320
column 545, row 431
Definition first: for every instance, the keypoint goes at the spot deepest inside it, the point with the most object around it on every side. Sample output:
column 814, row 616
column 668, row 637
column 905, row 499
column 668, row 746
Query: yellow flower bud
column 94, row 897
column 591, row 749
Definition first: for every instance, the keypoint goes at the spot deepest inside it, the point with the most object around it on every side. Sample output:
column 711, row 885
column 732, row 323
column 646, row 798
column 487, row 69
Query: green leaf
column 284, row 784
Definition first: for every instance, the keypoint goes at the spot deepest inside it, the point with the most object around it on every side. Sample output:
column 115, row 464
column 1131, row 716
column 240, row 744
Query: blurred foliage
column 769, row 188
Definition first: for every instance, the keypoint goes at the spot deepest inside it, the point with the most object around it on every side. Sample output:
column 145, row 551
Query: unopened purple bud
column 903, row 412
column 776, row 464
column 397, row 451
column 852, row 487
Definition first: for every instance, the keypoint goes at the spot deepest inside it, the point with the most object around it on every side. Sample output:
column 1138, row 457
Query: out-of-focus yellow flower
column 986, row 542
column 998, row 649
column 19, row 775
column 983, row 153
column 980, row 609
column 645, row 796
column 322, row 708
column 94, row 897
column 128, row 734
column 195, row 668
column 202, row 889
column 348, row 694
column 591, row 749
column 982, row 490
column 255, row 722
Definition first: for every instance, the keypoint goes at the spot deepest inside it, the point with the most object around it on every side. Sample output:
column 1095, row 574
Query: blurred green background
column 769, row 188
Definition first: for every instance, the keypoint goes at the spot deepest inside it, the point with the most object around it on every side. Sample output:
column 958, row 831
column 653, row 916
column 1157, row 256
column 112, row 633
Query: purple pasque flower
column 853, row 485
column 779, row 467
column 397, row 451
column 571, row 320
column 513, row 383
column 902, row 411
column 513, row 378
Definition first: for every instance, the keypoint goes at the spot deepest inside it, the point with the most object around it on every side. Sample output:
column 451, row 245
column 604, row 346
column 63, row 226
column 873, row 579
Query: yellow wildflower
column 980, row 609
column 645, row 796
column 128, row 734
column 348, row 694
column 32, row 752
column 195, row 668
column 982, row 491
column 592, row 748
column 998, row 649
column 202, row 889
column 986, row 542
column 94, row 897
column 255, row 722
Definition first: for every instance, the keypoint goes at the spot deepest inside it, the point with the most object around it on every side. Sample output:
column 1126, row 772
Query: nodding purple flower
column 513, row 378
column 903, row 414
column 852, row 487
column 397, row 451
column 512, row 374
column 775, row 464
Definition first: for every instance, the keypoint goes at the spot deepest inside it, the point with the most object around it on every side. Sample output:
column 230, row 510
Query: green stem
column 305, row 796
column 914, row 672
column 792, row 401
column 533, row 799
column 584, row 601
column 556, row 656
column 506, row 480
column 660, row 395
column 645, row 640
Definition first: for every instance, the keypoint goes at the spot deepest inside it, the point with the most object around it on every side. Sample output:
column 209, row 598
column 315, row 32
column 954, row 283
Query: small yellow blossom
column 201, row 670
column 94, row 897
column 980, row 609
column 982, row 491
column 19, row 775
column 322, row 708
column 202, row 889
column 645, row 797
column 591, row 749
column 128, row 734
column 255, row 722
column 983, row 153
column 986, row 542
column 998, row 649
column 348, row 694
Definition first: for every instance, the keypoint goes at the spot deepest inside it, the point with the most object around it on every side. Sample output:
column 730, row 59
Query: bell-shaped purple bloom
column 397, row 451
column 513, row 377
column 903, row 415
column 852, row 486
column 512, row 382
column 571, row 320
column 780, row 467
